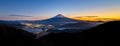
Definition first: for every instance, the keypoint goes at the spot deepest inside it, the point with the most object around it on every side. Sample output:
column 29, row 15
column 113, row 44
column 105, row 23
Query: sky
column 43, row 9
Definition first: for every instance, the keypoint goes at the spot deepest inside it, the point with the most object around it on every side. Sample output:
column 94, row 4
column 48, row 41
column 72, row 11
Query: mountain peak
column 59, row 15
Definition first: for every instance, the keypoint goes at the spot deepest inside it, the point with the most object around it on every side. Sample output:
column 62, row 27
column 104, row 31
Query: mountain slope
column 100, row 35
column 58, row 19
column 13, row 36
column 97, row 36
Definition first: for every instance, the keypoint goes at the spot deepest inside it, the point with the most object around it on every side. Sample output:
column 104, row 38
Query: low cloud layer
column 87, row 16
column 20, row 15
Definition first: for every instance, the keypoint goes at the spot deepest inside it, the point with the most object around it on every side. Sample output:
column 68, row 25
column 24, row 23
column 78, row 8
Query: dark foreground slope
column 103, row 35
column 16, row 37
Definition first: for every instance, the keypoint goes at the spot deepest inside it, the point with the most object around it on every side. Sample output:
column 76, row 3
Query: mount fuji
column 57, row 20
column 60, row 22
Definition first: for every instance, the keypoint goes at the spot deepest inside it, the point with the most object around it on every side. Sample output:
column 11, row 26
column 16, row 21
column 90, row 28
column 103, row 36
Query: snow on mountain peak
column 59, row 15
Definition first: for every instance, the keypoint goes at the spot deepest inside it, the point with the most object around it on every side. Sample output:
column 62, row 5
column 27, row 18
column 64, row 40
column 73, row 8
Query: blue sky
column 41, row 9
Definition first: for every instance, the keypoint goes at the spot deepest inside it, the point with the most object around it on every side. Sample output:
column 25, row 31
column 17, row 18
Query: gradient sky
column 42, row 9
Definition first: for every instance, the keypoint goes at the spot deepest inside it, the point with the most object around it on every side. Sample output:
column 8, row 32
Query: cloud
column 20, row 15
column 91, row 16
column 78, row 17
column 87, row 16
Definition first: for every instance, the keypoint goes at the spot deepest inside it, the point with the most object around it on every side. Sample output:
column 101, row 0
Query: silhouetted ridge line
column 16, row 37
column 97, row 36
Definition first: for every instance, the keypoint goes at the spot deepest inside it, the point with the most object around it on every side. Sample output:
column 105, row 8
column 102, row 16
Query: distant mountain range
column 11, row 23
